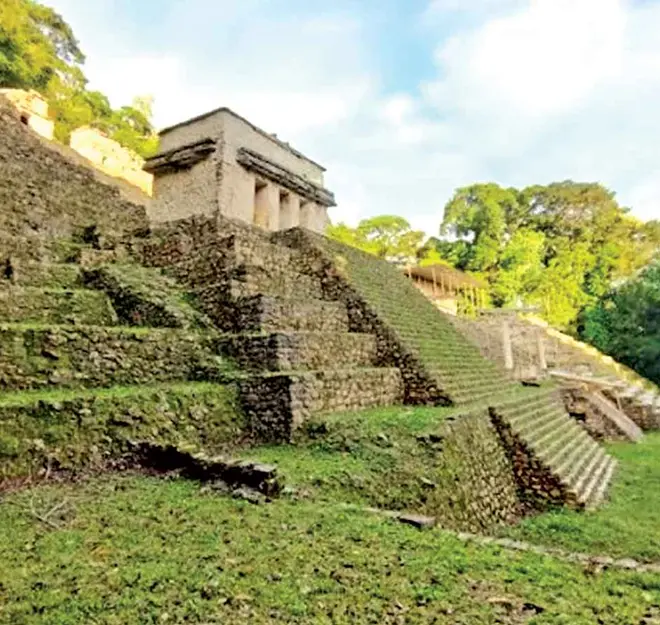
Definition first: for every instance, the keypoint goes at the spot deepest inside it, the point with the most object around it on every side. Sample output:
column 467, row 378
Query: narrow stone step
column 56, row 306
column 300, row 350
column 596, row 496
column 588, row 471
column 581, row 470
column 592, row 477
column 553, row 429
column 563, row 458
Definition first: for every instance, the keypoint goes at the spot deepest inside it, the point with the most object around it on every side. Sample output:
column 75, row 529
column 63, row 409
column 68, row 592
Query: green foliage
column 625, row 323
column 38, row 50
column 627, row 526
column 37, row 47
column 558, row 246
column 386, row 236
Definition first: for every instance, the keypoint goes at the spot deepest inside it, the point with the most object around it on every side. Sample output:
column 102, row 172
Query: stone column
column 289, row 211
column 506, row 345
column 313, row 216
column 266, row 206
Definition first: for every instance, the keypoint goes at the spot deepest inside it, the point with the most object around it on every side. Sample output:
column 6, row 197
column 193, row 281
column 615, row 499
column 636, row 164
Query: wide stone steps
column 560, row 444
column 300, row 350
column 75, row 428
column 45, row 275
column 76, row 356
column 56, row 306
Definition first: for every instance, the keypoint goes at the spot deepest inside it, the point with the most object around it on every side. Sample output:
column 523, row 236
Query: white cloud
column 525, row 91
column 557, row 89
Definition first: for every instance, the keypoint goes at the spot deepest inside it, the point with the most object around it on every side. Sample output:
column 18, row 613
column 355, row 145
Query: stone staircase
column 295, row 347
column 569, row 464
column 77, row 385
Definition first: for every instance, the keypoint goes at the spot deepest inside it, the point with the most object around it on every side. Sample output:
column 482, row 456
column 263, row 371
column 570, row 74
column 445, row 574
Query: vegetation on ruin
column 39, row 50
column 386, row 236
column 628, row 525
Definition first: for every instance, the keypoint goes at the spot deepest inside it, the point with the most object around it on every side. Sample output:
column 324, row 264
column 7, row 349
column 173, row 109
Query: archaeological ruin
column 219, row 317
column 221, row 164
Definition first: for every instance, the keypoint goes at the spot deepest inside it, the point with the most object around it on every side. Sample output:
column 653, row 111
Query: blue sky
column 405, row 100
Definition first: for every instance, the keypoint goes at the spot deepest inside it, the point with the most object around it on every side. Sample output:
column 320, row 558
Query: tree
column 625, row 323
column 386, row 236
column 559, row 246
column 37, row 47
column 481, row 215
column 38, row 50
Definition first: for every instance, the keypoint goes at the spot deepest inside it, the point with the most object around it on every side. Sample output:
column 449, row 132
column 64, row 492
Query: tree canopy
column 38, row 50
column 386, row 236
column 558, row 246
column 625, row 323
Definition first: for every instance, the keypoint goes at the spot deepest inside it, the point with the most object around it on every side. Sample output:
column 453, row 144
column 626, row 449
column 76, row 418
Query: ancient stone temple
column 221, row 164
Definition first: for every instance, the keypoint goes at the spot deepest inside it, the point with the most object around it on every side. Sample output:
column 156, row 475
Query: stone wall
column 88, row 430
column 89, row 356
column 476, row 489
column 227, row 180
column 44, row 195
column 111, row 157
column 33, row 110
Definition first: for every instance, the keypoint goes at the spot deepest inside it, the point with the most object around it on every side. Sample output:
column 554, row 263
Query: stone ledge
column 260, row 477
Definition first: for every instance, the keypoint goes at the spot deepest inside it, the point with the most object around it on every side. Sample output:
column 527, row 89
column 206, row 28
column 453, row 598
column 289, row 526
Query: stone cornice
column 284, row 177
column 179, row 158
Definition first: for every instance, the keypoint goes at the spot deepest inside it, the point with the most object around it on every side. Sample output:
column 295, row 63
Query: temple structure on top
column 221, row 164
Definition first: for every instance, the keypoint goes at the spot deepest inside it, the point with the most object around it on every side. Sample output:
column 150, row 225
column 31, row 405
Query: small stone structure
column 111, row 157
column 220, row 164
column 33, row 110
column 447, row 287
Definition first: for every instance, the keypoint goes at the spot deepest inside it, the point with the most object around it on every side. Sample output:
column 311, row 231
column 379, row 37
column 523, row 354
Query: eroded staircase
column 569, row 464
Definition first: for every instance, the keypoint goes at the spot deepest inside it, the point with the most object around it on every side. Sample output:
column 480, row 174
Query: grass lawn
column 628, row 525
column 133, row 549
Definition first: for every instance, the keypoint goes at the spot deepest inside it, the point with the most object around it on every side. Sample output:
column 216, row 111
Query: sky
column 404, row 101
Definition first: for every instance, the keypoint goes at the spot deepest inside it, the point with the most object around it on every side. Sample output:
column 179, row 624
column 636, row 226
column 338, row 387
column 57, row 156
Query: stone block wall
column 94, row 356
column 475, row 485
column 44, row 195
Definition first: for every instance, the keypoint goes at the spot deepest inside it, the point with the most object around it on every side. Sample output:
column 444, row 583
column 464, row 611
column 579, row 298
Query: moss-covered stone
column 145, row 297
column 56, row 306
column 86, row 429
column 34, row 357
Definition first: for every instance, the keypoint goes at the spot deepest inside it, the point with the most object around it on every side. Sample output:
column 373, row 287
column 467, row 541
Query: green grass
column 25, row 398
column 143, row 550
column 628, row 525
column 402, row 458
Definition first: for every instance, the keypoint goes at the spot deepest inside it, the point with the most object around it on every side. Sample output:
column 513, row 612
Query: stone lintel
column 182, row 157
column 259, row 164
